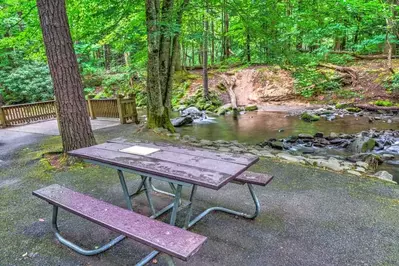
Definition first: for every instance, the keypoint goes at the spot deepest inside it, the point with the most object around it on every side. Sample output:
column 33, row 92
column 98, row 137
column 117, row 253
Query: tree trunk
column 248, row 47
column 229, row 84
column 205, row 56
column 74, row 122
column 178, row 57
column 107, row 57
column 126, row 57
column 213, row 43
column 162, row 42
column 226, row 50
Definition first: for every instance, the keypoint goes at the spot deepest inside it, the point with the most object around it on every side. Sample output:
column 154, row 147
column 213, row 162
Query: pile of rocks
column 335, row 163
column 188, row 116
column 366, row 141
column 332, row 112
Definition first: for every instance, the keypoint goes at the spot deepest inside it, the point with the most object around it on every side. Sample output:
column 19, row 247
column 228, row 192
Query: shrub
column 385, row 103
column 28, row 83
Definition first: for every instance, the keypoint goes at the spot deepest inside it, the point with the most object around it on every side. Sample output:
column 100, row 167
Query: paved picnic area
column 308, row 216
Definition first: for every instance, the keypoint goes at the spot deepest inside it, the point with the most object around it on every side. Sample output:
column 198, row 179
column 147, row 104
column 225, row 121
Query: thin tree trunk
column 226, row 31
column 248, row 48
column 126, row 56
column 212, row 43
column 74, row 122
column 107, row 57
column 205, row 55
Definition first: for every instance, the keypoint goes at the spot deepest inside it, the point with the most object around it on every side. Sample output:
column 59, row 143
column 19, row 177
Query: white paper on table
column 139, row 150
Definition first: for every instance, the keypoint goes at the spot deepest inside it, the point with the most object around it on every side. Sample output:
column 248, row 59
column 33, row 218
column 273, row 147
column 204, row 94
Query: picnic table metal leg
column 139, row 189
column 222, row 209
column 175, row 205
column 172, row 186
column 125, row 190
column 147, row 189
column 190, row 208
column 75, row 247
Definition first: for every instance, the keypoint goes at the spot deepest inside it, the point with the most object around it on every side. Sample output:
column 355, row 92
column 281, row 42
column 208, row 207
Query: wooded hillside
column 110, row 40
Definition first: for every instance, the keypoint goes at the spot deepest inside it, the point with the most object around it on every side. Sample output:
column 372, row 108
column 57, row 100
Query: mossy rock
column 342, row 105
column 353, row 109
column 250, row 108
column 309, row 117
column 222, row 110
column 368, row 145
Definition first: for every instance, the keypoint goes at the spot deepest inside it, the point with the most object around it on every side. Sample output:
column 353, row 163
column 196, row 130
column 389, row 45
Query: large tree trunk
column 74, row 122
column 162, row 42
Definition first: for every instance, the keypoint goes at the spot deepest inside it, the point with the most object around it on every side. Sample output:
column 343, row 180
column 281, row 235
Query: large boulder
column 309, row 117
column 384, row 175
column 181, row 121
column 361, row 145
column 193, row 112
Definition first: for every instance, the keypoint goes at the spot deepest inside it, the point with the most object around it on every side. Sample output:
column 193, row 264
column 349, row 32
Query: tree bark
column 161, row 18
column 74, row 123
column 213, row 43
column 248, row 47
column 205, row 55
column 107, row 57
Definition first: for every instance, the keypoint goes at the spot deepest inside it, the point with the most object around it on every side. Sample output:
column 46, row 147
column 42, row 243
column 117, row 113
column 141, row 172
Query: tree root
column 345, row 70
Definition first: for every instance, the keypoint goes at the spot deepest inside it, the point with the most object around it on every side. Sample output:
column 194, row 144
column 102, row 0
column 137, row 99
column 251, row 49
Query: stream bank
column 335, row 142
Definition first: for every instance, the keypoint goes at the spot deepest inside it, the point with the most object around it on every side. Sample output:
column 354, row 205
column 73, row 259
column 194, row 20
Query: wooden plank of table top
column 180, row 158
column 175, row 171
column 161, row 236
column 222, row 156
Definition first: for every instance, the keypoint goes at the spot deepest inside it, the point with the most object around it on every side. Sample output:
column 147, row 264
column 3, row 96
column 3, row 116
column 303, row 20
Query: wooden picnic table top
column 186, row 164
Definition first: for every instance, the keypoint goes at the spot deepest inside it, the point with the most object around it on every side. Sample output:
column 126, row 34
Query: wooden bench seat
column 163, row 237
column 254, row 178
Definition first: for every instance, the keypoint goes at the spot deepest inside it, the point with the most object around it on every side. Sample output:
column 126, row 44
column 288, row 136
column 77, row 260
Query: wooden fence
column 122, row 108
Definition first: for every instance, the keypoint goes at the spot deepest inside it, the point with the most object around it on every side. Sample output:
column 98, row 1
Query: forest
column 111, row 44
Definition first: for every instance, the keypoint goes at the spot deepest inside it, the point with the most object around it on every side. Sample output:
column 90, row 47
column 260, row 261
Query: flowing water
column 256, row 127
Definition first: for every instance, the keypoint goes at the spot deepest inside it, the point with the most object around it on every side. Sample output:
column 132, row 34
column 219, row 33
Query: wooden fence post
column 135, row 119
column 2, row 117
column 120, row 108
column 90, row 105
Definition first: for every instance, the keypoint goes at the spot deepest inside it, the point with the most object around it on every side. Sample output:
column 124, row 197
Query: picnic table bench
column 179, row 166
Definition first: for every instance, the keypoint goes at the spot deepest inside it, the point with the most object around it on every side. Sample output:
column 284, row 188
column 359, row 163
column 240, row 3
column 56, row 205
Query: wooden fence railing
column 11, row 115
column 122, row 108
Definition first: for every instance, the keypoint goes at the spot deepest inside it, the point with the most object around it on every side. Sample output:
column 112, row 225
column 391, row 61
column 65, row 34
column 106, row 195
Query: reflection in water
column 258, row 126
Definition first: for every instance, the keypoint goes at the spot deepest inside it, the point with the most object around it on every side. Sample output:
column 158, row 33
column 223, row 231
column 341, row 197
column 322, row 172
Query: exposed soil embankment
column 253, row 85
column 262, row 85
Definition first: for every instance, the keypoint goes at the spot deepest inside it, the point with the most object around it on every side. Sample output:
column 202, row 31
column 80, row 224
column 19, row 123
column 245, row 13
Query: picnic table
column 179, row 166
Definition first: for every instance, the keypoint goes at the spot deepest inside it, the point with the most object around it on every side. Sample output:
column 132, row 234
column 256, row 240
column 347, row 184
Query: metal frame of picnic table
column 146, row 186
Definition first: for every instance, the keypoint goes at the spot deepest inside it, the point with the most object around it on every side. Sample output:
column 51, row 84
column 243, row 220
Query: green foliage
column 28, row 83
column 385, row 103
column 310, row 82
column 353, row 109
column 198, row 100
column 294, row 34
column 392, row 84
column 251, row 108
column 348, row 94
